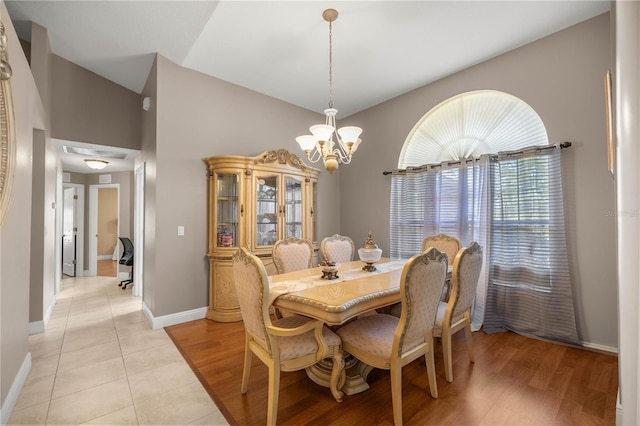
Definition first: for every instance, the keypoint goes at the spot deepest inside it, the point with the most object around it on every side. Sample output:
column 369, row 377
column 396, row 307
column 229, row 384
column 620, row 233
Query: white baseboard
column 49, row 311
column 601, row 348
column 36, row 327
column 618, row 410
column 105, row 257
column 14, row 392
column 173, row 319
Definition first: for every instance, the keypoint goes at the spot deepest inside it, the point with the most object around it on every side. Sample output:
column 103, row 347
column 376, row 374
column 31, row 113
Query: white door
column 69, row 231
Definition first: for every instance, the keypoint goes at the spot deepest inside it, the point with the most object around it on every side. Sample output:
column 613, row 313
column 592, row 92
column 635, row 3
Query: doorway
column 72, row 230
column 104, row 229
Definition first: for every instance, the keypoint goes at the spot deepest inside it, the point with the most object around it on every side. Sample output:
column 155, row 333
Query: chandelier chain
column 330, row 64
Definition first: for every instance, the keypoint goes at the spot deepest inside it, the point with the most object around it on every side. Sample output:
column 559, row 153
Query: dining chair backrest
column 455, row 314
column 466, row 272
column 445, row 243
column 421, row 285
column 252, row 290
column 292, row 254
column 337, row 248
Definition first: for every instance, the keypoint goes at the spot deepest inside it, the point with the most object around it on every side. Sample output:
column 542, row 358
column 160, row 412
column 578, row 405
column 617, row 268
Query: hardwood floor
column 514, row 381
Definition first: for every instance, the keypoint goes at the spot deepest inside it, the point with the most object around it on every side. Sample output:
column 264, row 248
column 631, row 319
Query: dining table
column 353, row 292
column 335, row 301
column 350, row 293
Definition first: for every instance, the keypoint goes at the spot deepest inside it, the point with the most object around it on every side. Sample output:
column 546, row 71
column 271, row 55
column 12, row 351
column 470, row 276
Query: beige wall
column 43, row 214
column 88, row 108
column 15, row 230
column 147, row 161
column 561, row 78
column 107, row 221
column 198, row 116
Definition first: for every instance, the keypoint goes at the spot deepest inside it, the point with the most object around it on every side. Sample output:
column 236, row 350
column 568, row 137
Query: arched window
column 472, row 168
column 471, row 124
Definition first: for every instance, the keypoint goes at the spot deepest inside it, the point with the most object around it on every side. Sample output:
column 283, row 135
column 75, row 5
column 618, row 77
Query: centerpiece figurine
column 329, row 270
column 369, row 253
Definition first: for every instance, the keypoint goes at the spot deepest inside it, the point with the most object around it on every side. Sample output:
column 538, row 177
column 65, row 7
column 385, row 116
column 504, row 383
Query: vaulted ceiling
column 381, row 49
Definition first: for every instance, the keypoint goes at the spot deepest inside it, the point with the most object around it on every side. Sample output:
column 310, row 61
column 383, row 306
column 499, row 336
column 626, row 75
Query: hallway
column 99, row 362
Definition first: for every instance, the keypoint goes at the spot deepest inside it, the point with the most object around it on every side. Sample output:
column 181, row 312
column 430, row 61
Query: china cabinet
column 253, row 202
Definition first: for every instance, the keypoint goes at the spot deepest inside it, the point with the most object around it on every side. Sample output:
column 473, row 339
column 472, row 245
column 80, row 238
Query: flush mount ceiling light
column 320, row 144
column 96, row 164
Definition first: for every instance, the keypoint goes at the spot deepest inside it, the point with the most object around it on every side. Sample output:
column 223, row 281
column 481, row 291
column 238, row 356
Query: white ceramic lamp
column 369, row 253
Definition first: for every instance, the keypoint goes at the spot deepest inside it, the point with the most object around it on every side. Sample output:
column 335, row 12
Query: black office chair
column 127, row 260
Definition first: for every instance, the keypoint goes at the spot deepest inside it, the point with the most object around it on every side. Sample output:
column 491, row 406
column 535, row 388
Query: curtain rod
column 451, row 163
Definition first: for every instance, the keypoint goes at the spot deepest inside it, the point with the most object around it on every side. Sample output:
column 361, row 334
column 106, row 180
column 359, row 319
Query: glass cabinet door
column 266, row 214
column 227, row 209
column 293, row 207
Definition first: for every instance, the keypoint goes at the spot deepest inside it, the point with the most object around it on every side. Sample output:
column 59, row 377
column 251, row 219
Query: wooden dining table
column 354, row 292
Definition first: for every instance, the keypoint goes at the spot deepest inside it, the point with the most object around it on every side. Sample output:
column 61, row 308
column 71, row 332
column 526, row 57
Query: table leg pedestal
column 356, row 374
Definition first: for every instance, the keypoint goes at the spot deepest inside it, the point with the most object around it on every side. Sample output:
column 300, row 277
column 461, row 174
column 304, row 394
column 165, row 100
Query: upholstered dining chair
column 446, row 244
column 388, row 342
column 455, row 314
column 292, row 254
column 337, row 248
column 288, row 344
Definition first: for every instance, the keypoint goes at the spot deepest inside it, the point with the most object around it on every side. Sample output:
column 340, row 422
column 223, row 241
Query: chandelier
column 324, row 142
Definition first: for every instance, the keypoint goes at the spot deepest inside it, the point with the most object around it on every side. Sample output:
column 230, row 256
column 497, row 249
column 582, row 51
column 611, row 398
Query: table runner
column 283, row 287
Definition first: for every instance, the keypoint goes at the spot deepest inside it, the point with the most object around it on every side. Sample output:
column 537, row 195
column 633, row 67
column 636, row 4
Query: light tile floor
column 100, row 363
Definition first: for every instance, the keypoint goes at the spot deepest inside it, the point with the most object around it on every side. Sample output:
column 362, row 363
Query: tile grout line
column 126, row 371
column 55, row 374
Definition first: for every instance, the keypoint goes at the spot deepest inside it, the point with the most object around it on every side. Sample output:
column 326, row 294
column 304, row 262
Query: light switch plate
column 180, row 230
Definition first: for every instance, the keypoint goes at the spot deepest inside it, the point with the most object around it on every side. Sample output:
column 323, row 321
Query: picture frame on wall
column 611, row 148
column 7, row 135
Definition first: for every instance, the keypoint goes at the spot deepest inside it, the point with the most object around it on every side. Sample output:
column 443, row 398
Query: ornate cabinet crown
column 253, row 202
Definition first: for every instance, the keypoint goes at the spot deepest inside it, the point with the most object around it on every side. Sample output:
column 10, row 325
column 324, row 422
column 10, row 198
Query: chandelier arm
column 314, row 156
column 341, row 152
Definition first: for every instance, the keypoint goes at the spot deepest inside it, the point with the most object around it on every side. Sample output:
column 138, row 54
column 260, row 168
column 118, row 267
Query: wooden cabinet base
column 224, row 316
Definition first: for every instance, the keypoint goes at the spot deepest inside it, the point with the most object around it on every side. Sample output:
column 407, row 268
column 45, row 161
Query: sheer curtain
column 512, row 205
column 406, row 220
column 530, row 289
column 449, row 198
column 457, row 204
